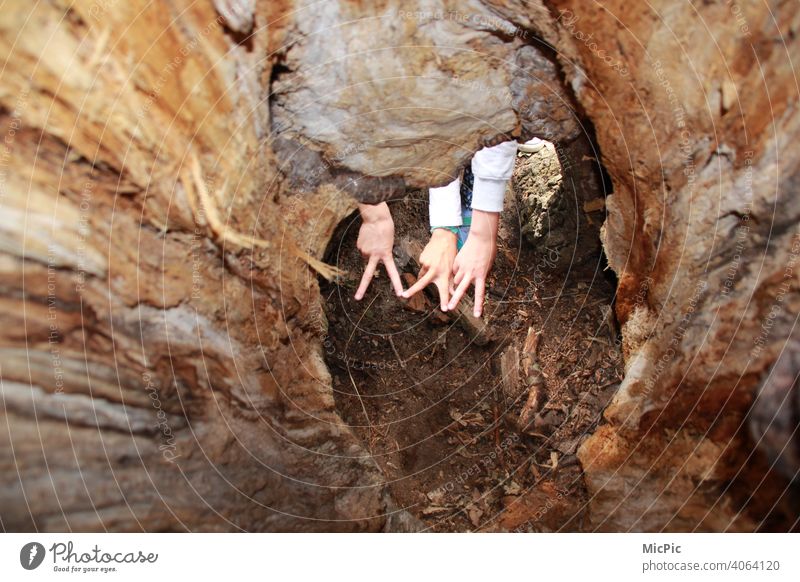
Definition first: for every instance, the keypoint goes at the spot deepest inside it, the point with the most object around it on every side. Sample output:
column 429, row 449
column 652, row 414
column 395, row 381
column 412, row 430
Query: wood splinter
column 534, row 380
column 223, row 232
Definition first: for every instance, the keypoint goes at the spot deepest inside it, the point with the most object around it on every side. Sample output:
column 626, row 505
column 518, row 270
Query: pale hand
column 375, row 241
column 475, row 259
column 436, row 265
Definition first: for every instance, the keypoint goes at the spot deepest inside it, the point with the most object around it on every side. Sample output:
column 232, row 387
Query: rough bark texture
column 154, row 377
column 157, row 376
column 702, row 232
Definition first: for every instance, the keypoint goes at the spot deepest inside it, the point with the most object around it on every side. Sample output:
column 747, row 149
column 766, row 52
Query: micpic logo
column 31, row 555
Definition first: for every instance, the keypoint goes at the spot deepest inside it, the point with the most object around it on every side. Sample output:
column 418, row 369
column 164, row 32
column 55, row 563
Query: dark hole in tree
column 473, row 433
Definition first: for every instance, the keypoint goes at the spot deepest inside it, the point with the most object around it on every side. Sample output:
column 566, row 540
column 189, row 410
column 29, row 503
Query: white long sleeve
column 492, row 168
column 444, row 204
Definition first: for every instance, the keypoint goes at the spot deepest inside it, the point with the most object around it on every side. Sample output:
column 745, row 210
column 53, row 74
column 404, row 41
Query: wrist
column 374, row 213
column 448, row 234
column 484, row 224
column 439, row 229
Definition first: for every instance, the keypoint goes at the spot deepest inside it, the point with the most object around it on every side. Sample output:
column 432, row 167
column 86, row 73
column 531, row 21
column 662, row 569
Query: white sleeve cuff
column 444, row 204
column 496, row 162
column 492, row 168
column 487, row 194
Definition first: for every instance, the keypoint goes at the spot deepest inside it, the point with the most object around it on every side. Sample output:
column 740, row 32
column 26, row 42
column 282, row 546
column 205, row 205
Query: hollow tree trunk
column 702, row 230
column 156, row 376
column 160, row 373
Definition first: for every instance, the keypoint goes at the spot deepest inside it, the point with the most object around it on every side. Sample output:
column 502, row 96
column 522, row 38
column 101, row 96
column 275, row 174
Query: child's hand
column 475, row 258
column 375, row 241
column 436, row 265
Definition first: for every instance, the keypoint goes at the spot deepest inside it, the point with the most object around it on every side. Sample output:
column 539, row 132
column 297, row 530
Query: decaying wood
column 534, row 380
column 209, row 212
column 510, row 370
column 123, row 292
column 153, row 270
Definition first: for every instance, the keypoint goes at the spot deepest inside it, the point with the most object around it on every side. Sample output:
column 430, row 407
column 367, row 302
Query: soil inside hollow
column 441, row 415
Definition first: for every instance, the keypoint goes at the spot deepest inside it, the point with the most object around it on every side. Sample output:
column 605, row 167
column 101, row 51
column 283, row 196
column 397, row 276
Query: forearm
column 375, row 242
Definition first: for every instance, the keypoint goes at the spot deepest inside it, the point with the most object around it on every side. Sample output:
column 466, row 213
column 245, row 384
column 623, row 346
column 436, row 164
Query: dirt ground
column 470, row 436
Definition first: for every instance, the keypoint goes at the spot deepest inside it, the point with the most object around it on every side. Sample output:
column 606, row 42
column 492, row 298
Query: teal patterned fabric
column 467, row 183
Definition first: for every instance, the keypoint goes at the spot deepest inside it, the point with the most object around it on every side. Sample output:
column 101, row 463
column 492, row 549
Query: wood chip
column 431, row 509
column 475, row 515
column 510, row 371
column 728, row 95
column 534, row 380
column 594, row 205
column 418, row 302
column 530, row 350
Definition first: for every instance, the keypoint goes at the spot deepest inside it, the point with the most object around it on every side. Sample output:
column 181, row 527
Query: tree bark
column 162, row 370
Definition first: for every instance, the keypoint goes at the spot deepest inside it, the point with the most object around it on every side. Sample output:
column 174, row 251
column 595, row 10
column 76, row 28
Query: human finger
column 421, row 283
column 394, row 276
column 459, row 274
column 441, row 285
column 366, row 279
column 460, row 290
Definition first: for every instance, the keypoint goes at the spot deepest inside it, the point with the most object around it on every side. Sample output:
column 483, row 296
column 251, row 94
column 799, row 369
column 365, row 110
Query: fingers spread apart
column 366, row 278
column 425, row 278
